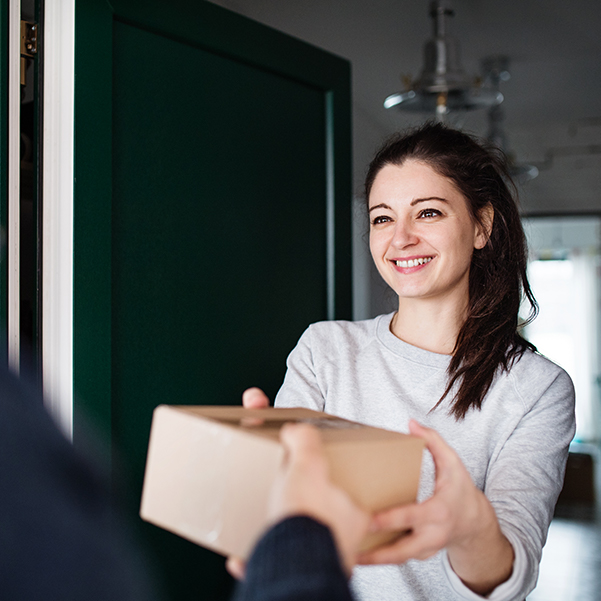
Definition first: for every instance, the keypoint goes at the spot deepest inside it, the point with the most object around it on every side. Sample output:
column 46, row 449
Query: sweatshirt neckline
column 404, row 349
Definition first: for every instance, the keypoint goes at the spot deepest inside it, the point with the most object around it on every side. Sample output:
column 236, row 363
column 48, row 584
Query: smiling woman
column 446, row 236
column 483, row 266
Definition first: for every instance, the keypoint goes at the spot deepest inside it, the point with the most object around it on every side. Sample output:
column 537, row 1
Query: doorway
column 564, row 273
column 29, row 192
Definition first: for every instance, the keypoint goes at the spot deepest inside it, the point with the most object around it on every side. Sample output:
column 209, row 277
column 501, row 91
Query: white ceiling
column 552, row 108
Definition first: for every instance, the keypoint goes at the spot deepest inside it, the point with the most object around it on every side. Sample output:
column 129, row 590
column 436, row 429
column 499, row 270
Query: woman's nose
column 404, row 235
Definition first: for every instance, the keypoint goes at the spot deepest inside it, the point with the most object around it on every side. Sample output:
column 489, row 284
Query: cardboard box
column 209, row 470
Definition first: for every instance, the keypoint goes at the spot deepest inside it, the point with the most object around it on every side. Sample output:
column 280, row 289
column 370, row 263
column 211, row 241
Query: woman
column 446, row 236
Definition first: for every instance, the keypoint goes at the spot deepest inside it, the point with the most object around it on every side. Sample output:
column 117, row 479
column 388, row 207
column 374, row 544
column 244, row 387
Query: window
column 563, row 270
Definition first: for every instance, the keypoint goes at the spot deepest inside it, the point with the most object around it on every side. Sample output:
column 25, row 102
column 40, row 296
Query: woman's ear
column 486, row 217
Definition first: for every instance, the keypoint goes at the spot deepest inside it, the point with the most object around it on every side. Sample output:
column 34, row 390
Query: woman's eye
column 429, row 213
column 380, row 219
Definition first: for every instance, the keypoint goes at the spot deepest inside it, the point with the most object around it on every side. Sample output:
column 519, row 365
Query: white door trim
column 57, row 192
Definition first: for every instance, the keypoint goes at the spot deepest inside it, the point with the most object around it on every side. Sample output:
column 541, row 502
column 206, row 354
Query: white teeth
column 413, row 262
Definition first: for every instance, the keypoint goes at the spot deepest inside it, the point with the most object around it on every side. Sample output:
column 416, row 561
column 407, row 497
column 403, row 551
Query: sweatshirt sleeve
column 301, row 387
column 296, row 560
column 524, row 481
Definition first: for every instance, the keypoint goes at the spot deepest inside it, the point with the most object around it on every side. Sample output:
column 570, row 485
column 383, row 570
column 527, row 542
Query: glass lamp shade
column 454, row 100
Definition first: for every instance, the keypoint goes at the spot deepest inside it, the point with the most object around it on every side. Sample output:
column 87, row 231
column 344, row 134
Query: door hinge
column 29, row 46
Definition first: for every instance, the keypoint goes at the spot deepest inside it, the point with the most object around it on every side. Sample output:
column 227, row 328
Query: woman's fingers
column 443, row 455
column 236, row 567
column 409, row 546
column 254, row 398
column 398, row 518
column 426, row 528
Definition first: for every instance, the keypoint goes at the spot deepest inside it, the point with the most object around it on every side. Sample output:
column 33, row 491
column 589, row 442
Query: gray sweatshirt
column 515, row 447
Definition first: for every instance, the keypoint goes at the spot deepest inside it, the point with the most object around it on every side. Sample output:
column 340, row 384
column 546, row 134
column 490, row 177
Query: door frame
column 57, row 191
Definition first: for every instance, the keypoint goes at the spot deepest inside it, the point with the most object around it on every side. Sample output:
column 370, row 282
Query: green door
column 212, row 222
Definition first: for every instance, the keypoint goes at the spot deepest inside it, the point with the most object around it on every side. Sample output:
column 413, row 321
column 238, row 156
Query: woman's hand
column 236, row 567
column 457, row 517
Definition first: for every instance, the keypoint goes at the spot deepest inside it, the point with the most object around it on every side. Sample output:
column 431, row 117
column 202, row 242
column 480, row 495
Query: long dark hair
column 489, row 340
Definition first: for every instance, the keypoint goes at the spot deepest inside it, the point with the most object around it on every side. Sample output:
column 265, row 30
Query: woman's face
column 422, row 235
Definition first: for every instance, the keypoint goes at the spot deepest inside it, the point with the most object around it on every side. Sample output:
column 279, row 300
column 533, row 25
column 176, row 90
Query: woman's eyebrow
column 415, row 201
column 382, row 205
column 418, row 200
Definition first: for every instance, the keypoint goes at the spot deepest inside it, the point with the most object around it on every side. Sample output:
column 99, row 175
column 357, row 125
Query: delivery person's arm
column 296, row 559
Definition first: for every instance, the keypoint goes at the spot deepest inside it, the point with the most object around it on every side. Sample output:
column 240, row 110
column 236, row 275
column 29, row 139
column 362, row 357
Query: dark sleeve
column 60, row 539
column 296, row 560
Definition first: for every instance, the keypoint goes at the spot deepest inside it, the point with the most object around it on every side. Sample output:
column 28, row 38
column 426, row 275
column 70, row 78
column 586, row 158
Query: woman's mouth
column 413, row 262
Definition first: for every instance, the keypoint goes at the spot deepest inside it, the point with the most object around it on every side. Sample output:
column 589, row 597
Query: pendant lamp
column 443, row 85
